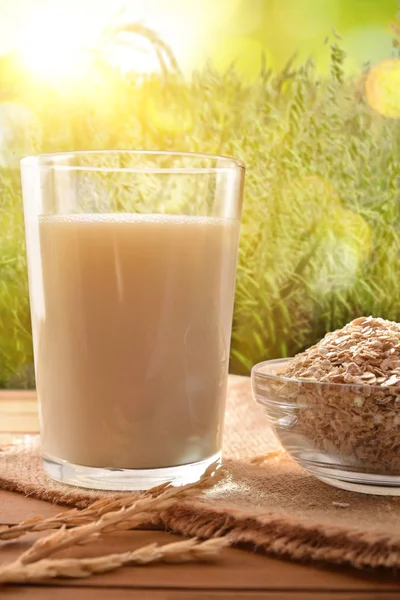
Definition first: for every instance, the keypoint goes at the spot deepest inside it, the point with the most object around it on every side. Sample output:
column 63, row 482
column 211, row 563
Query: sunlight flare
column 51, row 45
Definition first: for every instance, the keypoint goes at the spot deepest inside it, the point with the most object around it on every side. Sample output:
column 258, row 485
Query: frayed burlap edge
column 283, row 537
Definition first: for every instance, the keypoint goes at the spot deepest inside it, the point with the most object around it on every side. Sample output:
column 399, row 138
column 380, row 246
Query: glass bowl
column 347, row 435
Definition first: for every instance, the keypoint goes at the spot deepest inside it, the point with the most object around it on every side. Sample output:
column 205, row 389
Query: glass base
column 389, row 486
column 124, row 479
column 353, row 480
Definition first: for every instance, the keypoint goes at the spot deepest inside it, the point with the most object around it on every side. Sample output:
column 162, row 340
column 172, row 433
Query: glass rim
column 257, row 373
column 40, row 160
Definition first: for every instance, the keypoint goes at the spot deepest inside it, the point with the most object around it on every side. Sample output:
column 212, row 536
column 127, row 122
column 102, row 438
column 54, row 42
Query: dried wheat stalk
column 69, row 518
column 126, row 517
column 177, row 552
column 74, row 517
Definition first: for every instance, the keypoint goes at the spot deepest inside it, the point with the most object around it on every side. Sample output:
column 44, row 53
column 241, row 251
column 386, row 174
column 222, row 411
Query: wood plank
column 22, row 423
column 238, row 570
column 49, row 593
column 15, row 508
column 18, row 406
column 18, row 412
column 17, row 395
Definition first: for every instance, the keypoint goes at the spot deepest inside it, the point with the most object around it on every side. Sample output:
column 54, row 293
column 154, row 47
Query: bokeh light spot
column 382, row 88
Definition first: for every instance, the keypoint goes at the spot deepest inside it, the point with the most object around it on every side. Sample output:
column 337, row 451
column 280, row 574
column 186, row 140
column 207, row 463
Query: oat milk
column 133, row 337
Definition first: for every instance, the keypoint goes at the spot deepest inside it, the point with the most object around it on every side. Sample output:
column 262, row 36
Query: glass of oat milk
column 131, row 259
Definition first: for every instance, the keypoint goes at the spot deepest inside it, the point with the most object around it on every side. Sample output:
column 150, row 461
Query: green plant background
column 320, row 236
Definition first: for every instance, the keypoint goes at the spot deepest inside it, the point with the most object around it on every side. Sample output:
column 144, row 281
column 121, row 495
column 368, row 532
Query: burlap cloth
column 274, row 507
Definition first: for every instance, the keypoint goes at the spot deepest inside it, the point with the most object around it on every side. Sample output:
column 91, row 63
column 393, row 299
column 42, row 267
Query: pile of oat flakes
column 358, row 425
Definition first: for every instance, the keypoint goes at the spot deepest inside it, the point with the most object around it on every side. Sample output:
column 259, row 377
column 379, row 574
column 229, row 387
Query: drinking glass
column 131, row 260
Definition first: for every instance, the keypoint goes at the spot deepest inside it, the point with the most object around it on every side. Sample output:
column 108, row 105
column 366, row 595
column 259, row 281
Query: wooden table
column 240, row 574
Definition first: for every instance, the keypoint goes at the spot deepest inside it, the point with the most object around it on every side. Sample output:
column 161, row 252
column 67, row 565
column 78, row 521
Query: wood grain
column 18, row 414
column 15, row 508
column 49, row 593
